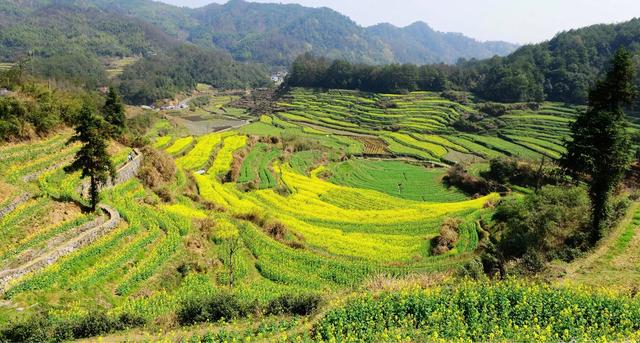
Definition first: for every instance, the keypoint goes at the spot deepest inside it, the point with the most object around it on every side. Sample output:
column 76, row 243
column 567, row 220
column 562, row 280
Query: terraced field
column 338, row 191
column 420, row 125
column 256, row 167
column 42, row 219
column 334, row 236
column 6, row 66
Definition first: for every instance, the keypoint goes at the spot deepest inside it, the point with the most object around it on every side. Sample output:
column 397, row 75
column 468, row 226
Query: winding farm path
column 615, row 262
column 59, row 246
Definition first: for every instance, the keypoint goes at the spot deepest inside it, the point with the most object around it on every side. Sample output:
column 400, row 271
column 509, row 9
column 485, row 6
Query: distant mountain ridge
column 247, row 29
column 272, row 34
column 418, row 43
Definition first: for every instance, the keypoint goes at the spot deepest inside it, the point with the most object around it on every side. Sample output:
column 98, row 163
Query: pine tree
column 600, row 147
column 92, row 158
column 113, row 112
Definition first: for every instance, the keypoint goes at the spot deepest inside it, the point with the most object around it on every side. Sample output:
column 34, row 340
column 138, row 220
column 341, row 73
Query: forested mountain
column 562, row 69
column 69, row 42
column 163, row 75
column 419, row 44
column 72, row 40
column 273, row 34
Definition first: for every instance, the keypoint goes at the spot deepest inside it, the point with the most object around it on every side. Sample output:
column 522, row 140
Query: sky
column 517, row 21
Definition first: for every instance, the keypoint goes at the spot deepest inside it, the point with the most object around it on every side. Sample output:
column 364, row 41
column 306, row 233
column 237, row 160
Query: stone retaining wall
column 125, row 173
column 14, row 204
column 84, row 239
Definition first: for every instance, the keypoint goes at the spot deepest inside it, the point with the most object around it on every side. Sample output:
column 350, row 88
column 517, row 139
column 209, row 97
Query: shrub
column 493, row 109
column 94, row 324
column 34, row 329
column 513, row 172
column 472, row 269
column 157, row 168
column 301, row 305
column 459, row 97
column 447, row 238
column 42, row 328
column 131, row 320
column 139, row 124
column 221, row 306
column 466, row 125
column 276, row 229
column 457, row 176
column 543, row 226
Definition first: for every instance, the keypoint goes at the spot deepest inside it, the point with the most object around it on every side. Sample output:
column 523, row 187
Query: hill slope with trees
column 562, row 69
column 273, row 34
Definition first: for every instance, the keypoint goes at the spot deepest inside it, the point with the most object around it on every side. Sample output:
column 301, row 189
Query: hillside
column 561, row 69
column 420, row 44
column 269, row 221
column 276, row 34
column 273, row 34
column 358, row 202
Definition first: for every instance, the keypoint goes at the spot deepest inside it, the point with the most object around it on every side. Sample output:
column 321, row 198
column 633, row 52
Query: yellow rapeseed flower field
column 223, row 160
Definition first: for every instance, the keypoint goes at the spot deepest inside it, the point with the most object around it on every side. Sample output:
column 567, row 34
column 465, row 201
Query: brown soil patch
column 115, row 148
column 6, row 191
column 62, row 212
column 373, row 145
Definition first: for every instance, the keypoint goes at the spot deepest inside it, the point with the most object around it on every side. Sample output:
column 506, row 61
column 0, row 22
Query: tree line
column 563, row 69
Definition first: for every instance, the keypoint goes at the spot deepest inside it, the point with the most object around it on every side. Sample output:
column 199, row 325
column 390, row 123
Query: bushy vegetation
column 32, row 109
column 42, row 327
column 226, row 307
column 513, row 172
column 527, row 233
column 181, row 69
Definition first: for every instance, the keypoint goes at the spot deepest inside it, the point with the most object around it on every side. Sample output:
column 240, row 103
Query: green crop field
column 256, row 166
column 395, row 178
column 421, row 124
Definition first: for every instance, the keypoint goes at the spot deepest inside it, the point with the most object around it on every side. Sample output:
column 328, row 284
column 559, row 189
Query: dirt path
column 605, row 266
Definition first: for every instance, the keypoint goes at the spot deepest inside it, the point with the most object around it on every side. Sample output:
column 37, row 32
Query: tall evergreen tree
column 600, row 147
column 113, row 112
column 92, row 158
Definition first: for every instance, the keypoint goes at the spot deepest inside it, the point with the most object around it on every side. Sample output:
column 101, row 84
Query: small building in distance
column 278, row 77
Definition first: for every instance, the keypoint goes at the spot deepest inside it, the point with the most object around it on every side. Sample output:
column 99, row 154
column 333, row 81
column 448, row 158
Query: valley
column 262, row 172
column 312, row 199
